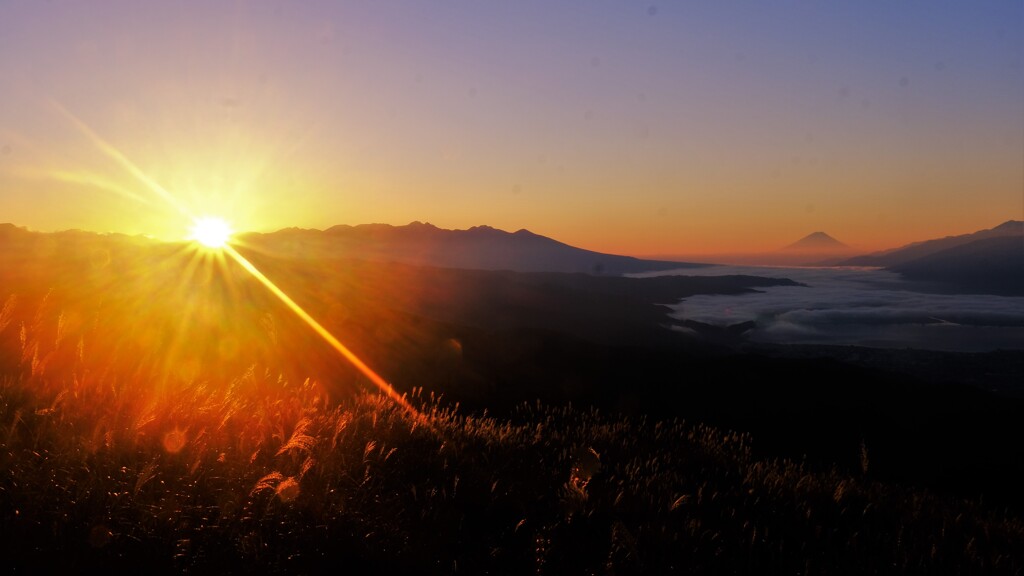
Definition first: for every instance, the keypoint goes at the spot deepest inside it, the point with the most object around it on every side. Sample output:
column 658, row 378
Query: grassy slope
column 267, row 476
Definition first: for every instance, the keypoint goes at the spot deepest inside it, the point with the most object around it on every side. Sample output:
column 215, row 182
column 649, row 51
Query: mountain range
column 478, row 248
column 909, row 252
column 986, row 261
column 989, row 261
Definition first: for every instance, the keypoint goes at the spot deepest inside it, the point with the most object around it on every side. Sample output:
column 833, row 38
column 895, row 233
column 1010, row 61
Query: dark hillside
column 904, row 254
column 988, row 266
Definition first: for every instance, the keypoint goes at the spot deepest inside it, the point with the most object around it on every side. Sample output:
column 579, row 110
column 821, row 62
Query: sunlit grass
column 257, row 473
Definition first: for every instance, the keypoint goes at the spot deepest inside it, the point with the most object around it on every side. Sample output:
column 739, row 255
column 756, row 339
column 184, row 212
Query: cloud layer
column 861, row 307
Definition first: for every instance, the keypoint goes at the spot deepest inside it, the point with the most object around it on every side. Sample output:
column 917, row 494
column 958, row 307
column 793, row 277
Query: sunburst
column 211, row 232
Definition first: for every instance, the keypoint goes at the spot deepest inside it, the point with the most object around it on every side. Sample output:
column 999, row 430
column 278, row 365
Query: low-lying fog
column 855, row 306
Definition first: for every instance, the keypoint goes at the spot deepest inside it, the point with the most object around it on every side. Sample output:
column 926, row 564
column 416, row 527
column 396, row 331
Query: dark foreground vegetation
column 160, row 412
column 107, row 466
column 262, row 476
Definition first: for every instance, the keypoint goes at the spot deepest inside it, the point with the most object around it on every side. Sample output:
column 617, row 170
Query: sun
column 211, row 232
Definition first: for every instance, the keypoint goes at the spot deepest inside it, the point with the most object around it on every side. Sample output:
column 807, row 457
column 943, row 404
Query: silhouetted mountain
column 817, row 242
column 990, row 265
column 913, row 251
column 815, row 249
column 478, row 248
column 26, row 250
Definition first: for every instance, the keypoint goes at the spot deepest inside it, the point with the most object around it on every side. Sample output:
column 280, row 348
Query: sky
column 626, row 127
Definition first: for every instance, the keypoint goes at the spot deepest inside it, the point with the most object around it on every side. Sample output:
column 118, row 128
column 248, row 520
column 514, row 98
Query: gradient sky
column 636, row 128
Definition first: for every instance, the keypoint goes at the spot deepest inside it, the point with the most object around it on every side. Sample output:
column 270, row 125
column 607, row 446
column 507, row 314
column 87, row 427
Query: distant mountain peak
column 817, row 242
column 1014, row 226
column 421, row 225
column 484, row 228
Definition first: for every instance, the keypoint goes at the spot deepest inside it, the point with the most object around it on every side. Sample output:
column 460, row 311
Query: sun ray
column 365, row 369
column 95, row 181
column 110, row 151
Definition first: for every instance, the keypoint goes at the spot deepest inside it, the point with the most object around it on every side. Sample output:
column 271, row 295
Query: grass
column 109, row 462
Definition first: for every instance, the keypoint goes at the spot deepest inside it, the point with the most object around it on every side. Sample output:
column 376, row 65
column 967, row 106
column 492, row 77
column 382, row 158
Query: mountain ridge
column 915, row 250
column 480, row 247
column 992, row 265
column 989, row 261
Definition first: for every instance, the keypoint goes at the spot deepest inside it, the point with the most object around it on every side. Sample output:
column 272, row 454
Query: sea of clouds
column 855, row 306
